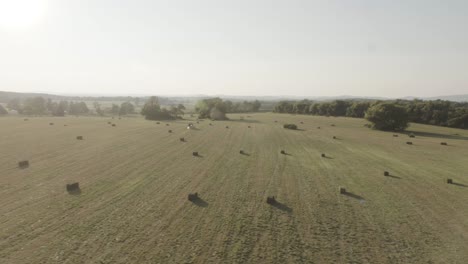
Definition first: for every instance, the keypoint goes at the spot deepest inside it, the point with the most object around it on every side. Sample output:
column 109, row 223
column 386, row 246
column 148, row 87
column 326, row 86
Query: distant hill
column 191, row 99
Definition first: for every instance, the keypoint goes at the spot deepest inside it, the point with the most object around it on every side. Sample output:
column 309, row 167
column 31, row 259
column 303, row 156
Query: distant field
column 135, row 179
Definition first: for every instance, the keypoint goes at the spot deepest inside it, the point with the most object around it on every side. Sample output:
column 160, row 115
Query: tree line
column 217, row 108
column 41, row 106
column 437, row 112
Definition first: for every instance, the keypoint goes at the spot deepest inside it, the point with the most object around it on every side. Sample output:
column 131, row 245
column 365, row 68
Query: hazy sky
column 242, row 47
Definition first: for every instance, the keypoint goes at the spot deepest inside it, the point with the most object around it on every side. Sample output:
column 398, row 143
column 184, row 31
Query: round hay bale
column 227, row 126
column 170, row 131
column 342, row 190
column 23, row 164
column 395, row 135
column 182, row 139
column 114, row 125
column 449, row 181
column 318, row 127
column 241, row 152
column 409, row 143
column 195, row 153
column 443, row 143
column 283, row 152
column 412, row 135
column 386, row 173
column 334, row 137
column 192, row 196
column 271, row 200
column 79, row 137
column 73, row 187
column 158, row 123
column 323, row 155
column 51, row 124
column 332, row 125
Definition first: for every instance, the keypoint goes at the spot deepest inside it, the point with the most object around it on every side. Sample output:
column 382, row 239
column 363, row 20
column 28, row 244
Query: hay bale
column 302, row 122
column 195, row 153
column 318, row 127
column 167, row 124
column 283, row 152
column 290, row 126
column 449, row 181
column 170, row 131
column 65, row 125
column 211, row 124
column 227, row 126
column 79, row 137
column 109, row 122
column 332, row 125
column 248, row 126
column 412, row 135
column 342, row 190
column 241, row 152
column 158, row 123
column 334, row 137
column 23, row 164
column 192, row 196
column 271, row 200
column 386, row 173
column 443, row 143
column 409, row 143
column 182, row 139
column 26, row 119
column 51, row 124
column 114, row 125
column 73, row 187
column 276, row 121
column 395, row 135
column 323, row 155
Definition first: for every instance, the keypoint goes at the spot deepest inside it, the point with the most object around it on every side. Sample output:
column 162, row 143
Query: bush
column 290, row 126
column 388, row 116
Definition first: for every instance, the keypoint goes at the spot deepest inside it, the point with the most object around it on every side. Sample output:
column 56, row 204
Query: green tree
column 388, row 116
column 153, row 111
column 126, row 108
column 34, row 106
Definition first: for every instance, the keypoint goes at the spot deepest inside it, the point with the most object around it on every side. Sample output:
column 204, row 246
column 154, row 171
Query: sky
column 243, row 47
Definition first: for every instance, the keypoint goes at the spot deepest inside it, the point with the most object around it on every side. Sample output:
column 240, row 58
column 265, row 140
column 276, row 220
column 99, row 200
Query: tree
column 14, row 104
column 35, row 106
column 153, row 111
column 358, row 109
column 213, row 108
column 3, row 111
column 115, row 109
column 387, row 116
column 126, row 108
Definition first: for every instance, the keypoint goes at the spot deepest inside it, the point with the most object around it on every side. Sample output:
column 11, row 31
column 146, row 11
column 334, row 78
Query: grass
column 135, row 179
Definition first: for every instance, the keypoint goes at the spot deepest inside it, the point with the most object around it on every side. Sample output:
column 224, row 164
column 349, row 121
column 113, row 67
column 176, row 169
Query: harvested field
column 136, row 180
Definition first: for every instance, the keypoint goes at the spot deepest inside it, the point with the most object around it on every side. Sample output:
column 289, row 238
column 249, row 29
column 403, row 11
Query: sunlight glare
column 21, row 14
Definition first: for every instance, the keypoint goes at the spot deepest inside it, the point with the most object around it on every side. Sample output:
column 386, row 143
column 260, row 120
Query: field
column 135, row 178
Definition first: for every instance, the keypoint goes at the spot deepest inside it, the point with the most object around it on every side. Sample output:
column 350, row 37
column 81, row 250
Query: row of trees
column 216, row 108
column 441, row 113
column 41, row 106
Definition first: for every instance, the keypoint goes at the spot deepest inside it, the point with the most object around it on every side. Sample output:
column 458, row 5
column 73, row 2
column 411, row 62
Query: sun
column 21, row 14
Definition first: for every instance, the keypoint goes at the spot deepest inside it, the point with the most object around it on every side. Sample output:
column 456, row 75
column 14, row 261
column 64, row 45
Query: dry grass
column 135, row 181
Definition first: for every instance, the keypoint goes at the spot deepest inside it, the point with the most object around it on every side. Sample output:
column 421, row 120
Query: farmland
column 135, row 178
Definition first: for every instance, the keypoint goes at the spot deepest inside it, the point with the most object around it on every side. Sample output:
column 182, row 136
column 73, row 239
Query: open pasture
column 134, row 180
